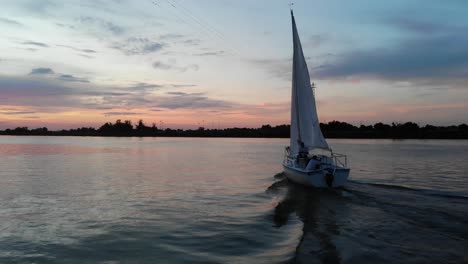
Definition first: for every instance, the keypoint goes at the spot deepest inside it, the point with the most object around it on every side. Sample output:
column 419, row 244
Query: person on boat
column 303, row 150
column 314, row 163
column 302, row 157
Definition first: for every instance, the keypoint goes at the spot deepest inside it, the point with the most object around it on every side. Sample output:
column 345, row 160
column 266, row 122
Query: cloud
column 10, row 22
column 280, row 68
column 121, row 113
column 138, row 46
column 34, row 43
column 54, row 95
column 431, row 53
column 77, row 49
column 102, row 24
column 144, row 86
column 164, row 66
column 190, row 101
column 171, row 36
column 193, row 67
column 419, row 26
column 178, row 38
column 17, row 112
column 411, row 108
column 176, row 93
column 150, row 87
column 182, row 85
column 71, row 78
column 65, row 25
column 152, row 47
column 315, row 41
column 39, row 6
column 86, row 56
column 191, row 42
column 213, row 53
column 161, row 65
column 29, row 88
column 420, row 58
column 117, row 30
column 51, row 92
column 61, row 77
column 39, row 71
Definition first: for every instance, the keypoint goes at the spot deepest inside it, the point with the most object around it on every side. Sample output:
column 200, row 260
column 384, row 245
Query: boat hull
column 317, row 178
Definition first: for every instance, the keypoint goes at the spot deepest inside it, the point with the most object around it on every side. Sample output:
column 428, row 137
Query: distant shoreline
column 333, row 129
column 396, row 139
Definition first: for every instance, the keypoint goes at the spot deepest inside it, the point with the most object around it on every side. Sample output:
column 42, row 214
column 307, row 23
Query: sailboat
column 309, row 160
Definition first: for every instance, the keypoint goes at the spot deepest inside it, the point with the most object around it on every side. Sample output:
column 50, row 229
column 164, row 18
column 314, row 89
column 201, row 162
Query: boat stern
column 317, row 178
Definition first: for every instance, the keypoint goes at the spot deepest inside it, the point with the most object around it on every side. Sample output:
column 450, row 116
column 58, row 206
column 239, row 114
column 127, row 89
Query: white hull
column 316, row 178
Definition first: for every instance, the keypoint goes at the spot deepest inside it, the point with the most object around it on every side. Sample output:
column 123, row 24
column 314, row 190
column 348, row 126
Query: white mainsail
column 305, row 126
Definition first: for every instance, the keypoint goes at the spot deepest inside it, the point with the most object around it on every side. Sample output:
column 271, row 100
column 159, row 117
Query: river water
column 191, row 200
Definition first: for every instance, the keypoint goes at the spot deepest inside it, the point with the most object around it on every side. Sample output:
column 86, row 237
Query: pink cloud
column 411, row 108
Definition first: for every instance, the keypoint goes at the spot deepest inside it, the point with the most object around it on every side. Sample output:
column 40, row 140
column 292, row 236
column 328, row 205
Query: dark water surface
column 187, row 200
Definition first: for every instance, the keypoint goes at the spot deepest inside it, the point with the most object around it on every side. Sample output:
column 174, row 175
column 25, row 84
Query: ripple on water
column 109, row 200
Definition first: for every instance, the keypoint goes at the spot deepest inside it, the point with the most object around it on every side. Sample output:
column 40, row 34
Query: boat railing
column 288, row 159
column 340, row 159
column 337, row 158
column 287, row 155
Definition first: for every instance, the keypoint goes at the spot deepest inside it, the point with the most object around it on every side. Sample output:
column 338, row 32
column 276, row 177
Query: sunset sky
column 225, row 63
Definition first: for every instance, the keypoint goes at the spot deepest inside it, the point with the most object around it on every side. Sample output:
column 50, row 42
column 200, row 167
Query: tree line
column 333, row 129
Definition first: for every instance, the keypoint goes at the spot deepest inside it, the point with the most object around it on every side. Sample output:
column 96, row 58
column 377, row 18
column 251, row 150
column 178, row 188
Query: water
column 188, row 200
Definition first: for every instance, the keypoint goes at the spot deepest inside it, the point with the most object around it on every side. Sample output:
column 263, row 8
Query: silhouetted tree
column 333, row 129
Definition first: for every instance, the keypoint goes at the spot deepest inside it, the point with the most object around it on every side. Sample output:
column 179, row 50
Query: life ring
column 329, row 179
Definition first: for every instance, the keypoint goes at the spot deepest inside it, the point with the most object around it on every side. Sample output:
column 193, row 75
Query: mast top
column 292, row 16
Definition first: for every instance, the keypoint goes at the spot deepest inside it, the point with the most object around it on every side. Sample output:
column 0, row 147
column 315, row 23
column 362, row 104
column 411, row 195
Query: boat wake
column 369, row 223
column 431, row 192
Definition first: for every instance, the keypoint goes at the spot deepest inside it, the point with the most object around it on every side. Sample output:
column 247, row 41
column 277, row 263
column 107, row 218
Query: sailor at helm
column 303, row 150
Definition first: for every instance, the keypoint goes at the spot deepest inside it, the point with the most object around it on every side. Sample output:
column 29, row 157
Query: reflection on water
column 187, row 200
column 317, row 210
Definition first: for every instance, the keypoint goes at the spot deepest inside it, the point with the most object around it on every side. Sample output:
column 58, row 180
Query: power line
column 175, row 14
column 212, row 32
column 199, row 20
column 202, row 22
column 207, row 30
column 173, row 10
